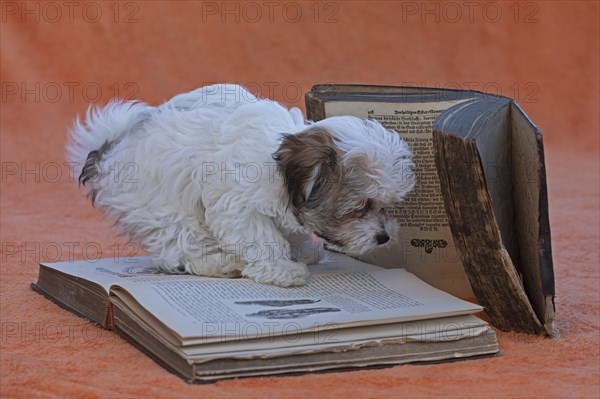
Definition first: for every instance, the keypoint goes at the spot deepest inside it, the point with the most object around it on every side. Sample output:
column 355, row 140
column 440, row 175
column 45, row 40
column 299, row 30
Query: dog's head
column 341, row 175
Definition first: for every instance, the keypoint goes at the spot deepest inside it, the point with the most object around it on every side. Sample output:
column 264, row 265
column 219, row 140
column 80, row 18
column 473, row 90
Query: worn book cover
column 476, row 224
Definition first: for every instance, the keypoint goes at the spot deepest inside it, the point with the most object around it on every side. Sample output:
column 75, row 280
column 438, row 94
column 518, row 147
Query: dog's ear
column 306, row 160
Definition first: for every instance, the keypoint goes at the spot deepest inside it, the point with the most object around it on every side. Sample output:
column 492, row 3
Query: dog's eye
column 363, row 210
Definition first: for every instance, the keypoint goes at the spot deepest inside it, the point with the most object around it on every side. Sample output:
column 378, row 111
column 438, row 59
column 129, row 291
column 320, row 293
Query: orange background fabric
column 59, row 57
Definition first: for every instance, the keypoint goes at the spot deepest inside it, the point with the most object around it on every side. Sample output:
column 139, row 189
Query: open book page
column 281, row 346
column 341, row 291
column 330, row 337
column 214, row 310
column 278, row 347
column 426, row 340
column 425, row 246
column 107, row 272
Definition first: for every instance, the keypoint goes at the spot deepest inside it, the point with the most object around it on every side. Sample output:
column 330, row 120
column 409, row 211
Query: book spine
column 315, row 107
column 487, row 264
column 110, row 316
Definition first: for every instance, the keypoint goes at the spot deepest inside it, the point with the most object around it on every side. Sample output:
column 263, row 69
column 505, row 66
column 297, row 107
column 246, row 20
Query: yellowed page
column 425, row 246
column 198, row 309
column 214, row 310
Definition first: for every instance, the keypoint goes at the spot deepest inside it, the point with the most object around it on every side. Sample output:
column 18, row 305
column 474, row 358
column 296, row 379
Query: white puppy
column 212, row 181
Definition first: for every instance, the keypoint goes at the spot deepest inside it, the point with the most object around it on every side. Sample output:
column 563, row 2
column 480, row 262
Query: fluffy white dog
column 213, row 181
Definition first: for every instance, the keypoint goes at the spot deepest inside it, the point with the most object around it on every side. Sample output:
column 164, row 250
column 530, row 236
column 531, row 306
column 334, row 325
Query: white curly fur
column 194, row 181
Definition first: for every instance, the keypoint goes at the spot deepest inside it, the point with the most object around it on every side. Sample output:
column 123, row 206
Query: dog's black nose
column 382, row 238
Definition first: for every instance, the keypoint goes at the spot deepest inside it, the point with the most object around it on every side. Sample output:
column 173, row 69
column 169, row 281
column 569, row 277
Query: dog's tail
column 102, row 128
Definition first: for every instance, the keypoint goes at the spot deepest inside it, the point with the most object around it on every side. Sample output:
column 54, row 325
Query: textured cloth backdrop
column 57, row 57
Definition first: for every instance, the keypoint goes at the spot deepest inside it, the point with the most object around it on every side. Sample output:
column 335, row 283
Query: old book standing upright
column 477, row 222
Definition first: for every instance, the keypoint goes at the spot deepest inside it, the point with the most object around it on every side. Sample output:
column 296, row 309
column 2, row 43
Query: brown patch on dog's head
column 306, row 161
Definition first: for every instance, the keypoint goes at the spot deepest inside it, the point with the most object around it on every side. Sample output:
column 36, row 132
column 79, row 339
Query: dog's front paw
column 283, row 273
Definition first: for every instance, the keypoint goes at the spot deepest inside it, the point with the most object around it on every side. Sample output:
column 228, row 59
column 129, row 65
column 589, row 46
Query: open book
column 477, row 222
column 349, row 314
